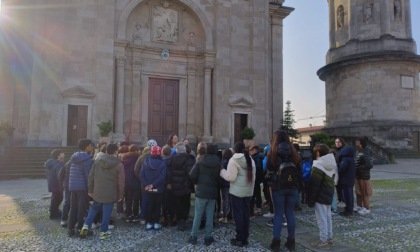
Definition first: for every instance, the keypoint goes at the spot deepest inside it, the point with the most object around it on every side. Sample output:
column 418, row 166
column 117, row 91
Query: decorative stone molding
column 120, row 61
column 136, row 63
column 165, row 23
column 78, row 92
column 368, row 11
column 340, row 16
column 241, row 102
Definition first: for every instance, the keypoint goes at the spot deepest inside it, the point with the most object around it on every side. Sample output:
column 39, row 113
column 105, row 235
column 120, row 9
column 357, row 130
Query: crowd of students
column 153, row 186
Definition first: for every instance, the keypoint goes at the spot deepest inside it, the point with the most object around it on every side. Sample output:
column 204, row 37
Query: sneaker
column 149, row 226
column 268, row 215
column 223, row 220
column 120, row 216
column 96, row 225
column 111, row 226
column 333, row 212
column 208, row 240
column 104, row 235
column 136, row 219
column 252, row 217
column 142, row 222
column 157, row 226
column 320, row 244
column 70, row 232
column 258, row 211
column 284, row 224
column 330, row 242
column 363, row 211
column 357, row 209
column 341, row 204
column 84, row 231
column 63, row 224
column 270, row 223
column 192, row 240
column 346, row 214
column 129, row 219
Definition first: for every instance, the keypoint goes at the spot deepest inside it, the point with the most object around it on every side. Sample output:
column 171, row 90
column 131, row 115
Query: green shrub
column 105, row 128
column 248, row 133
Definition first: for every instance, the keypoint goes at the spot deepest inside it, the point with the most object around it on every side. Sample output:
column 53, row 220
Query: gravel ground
column 393, row 225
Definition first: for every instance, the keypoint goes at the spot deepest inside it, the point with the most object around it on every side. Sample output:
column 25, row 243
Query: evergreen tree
column 288, row 122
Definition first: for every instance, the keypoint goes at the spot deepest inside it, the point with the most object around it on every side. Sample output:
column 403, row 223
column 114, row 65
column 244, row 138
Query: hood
column 284, row 151
column 50, row 163
column 107, row 161
column 80, row 157
column 130, row 154
column 210, row 160
column 238, row 156
column 327, row 164
column 347, row 151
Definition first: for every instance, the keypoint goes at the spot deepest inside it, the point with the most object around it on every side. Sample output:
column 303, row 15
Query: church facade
column 200, row 69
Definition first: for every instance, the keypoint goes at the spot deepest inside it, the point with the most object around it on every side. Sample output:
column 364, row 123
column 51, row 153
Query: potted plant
column 104, row 129
column 248, row 135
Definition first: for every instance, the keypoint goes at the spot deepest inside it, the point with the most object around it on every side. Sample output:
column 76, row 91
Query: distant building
column 305, row 134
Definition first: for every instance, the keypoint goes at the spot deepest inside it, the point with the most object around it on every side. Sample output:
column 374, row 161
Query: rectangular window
column 407, row 82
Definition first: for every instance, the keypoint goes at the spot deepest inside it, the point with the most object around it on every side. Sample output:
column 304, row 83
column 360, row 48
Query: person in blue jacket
column 347, row 176
column 52, row 167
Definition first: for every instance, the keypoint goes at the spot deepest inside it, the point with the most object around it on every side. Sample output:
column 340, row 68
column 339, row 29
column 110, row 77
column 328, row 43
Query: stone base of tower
column 391, row 135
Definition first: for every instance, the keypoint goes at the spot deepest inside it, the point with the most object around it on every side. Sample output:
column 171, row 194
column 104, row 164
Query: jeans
column 256, row 199
column 201, row 206
column 56, row 199
column 106, row 214
column 132, row 202
column 323, row 218
column 240, row 211
column 154, row 205
column 78, row 209
column 66, row 206
column 144, row 203
column 284, row 203
column 348, row 198
column 226, row 201
column 182, row 206
column 334, row 202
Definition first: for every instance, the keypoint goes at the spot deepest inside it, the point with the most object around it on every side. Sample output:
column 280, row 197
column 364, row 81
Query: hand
column 119, row 200
column 169, row 186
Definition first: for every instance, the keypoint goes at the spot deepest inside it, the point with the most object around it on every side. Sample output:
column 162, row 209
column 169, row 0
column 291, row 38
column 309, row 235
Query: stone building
column 201, row 69
column 372, row 73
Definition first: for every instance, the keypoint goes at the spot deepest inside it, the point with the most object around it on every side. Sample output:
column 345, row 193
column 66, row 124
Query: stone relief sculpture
column 137, row 34
column 191, row 39
column 397, row 9
column 367, row 12
column 165, row 23
column 340, row 16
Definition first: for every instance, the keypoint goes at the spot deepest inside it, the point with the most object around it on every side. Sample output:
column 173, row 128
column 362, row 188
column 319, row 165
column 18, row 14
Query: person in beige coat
column 240, row 173
column 105, row 186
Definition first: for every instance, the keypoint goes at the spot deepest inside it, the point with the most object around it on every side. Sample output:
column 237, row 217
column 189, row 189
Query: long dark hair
column 170, row 140
column 278, row 137
column 240, row 148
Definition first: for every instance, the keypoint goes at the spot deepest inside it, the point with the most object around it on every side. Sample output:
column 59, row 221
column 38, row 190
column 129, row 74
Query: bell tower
column 372, row 73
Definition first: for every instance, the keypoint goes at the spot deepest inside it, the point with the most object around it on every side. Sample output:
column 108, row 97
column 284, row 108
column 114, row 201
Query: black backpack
column 288, row 175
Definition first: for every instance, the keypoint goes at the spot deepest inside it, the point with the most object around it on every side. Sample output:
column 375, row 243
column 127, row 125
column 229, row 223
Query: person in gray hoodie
column 321, row 191
column 105, row 186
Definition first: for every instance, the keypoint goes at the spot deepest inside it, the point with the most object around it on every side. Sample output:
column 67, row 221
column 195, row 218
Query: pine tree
column 288, row 122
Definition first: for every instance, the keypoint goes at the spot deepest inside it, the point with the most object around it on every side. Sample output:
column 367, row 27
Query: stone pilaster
column 207, row 105
column 135, row 101
column 119, row 101
column 191, row 97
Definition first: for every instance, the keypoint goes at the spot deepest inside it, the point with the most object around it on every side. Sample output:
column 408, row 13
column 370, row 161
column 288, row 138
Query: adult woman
column 339, row 145
column 284, row 195
column 240, row 173
column 172, row 141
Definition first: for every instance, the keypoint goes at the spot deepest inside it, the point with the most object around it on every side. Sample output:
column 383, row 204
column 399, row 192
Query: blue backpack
column 306, row 170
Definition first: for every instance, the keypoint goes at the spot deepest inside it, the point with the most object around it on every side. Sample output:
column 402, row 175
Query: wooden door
column 163, row 109
column 240, row 122
column 76, row 124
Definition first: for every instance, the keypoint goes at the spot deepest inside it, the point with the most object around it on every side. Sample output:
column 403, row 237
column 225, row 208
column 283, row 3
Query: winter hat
column 155, row 150
column 180, row 148
column 151, row 142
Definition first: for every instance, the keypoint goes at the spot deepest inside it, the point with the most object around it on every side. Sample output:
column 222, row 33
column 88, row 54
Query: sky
column 304, row 50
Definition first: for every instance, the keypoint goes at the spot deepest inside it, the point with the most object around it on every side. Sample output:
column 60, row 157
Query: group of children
column 154, row 186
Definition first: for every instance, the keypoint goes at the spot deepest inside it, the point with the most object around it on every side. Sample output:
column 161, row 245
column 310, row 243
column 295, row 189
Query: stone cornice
column 78, row 92
column 368, row 58
column 241, row 102
column 278, row 11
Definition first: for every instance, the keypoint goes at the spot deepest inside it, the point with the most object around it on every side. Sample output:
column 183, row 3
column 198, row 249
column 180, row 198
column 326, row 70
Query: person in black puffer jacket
column 347, row 175
column 53, row 166
column 363, row 186
column 205, row 174
column 179, row 184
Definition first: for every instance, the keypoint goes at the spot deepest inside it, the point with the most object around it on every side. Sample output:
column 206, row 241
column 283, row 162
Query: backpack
column 288, row 175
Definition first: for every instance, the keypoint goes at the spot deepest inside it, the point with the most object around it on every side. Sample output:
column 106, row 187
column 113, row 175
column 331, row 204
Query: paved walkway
column 31, row 194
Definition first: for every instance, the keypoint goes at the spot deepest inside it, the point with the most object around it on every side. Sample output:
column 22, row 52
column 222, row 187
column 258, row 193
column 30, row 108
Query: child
column 105, row 186
column 321, row 191
column 53, row 167
column 153, row 178
column 363, row 186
